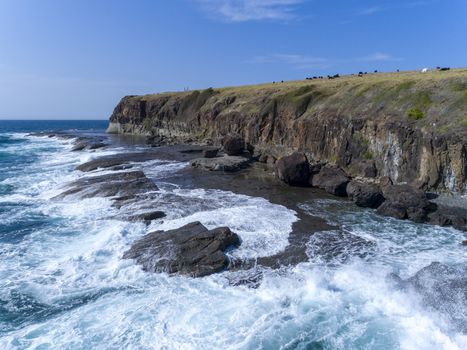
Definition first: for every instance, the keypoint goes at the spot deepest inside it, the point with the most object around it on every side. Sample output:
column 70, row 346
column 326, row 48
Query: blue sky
column 73, row 59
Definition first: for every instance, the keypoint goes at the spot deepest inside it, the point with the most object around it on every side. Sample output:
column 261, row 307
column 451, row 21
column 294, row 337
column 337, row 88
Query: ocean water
column 63, row 284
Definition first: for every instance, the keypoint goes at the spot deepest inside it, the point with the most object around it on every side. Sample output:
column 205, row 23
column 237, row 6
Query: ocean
column 64, row 284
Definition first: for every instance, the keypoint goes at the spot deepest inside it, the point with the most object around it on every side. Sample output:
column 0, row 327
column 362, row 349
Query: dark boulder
column 332, row 180
column 233, row 144
column 210, row 152
column 147, row 217
column 449, row 216
column 406, row 202
column 191, row 250
column 393, row 210
column 294, row 169
column 365, row 194
column 440, row 219
column 406, row 196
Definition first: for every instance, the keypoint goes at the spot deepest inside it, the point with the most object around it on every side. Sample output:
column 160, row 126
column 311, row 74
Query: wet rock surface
column 176, row 153
column 126, row 184
column 191, row 250
column 443, row 288
column 147, row 217
column 81, row 143
column 88, row 146
column 225, row 163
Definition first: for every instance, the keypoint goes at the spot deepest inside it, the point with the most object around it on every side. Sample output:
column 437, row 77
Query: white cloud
column 251, row 10
column 371, row 10
column 379, row 57
column 409, row 4
column 294, row 60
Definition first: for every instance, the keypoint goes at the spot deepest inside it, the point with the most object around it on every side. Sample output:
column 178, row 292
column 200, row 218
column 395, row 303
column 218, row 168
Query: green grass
column 147, row 124
column 368, row 155
column 415, row 114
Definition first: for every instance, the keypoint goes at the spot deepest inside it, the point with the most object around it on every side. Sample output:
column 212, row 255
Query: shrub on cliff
column 415, row 114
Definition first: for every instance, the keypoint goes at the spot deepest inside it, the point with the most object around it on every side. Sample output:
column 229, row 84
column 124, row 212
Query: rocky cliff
column 409, row 126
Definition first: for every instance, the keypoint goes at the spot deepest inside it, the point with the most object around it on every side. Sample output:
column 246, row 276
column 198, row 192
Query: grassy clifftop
column 433, row 99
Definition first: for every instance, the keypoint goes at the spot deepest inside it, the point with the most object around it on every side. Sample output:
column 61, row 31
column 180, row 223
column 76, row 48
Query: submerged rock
column 364, row 194
column 191, row 250
column 81, row 146
column 294, row 169
column 338, row 247
column 225, row 163
column 332, row 180
column 443, row 288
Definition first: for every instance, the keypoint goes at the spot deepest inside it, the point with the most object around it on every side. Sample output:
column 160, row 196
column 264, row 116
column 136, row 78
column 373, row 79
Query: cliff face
column 411, row 127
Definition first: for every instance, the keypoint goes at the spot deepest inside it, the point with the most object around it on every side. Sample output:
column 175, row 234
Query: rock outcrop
column 191, row 250
column 294, row 169
column 122, row 184
column 331, row 179
column 406, row 202
column 346, row 121
column 233, row 144
column 365, row 195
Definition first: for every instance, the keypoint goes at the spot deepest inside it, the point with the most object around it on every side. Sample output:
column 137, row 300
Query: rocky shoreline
column 195, row 251
column 401, row 201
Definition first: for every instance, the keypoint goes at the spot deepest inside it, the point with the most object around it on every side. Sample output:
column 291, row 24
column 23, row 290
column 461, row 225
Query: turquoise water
column 63, row 284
